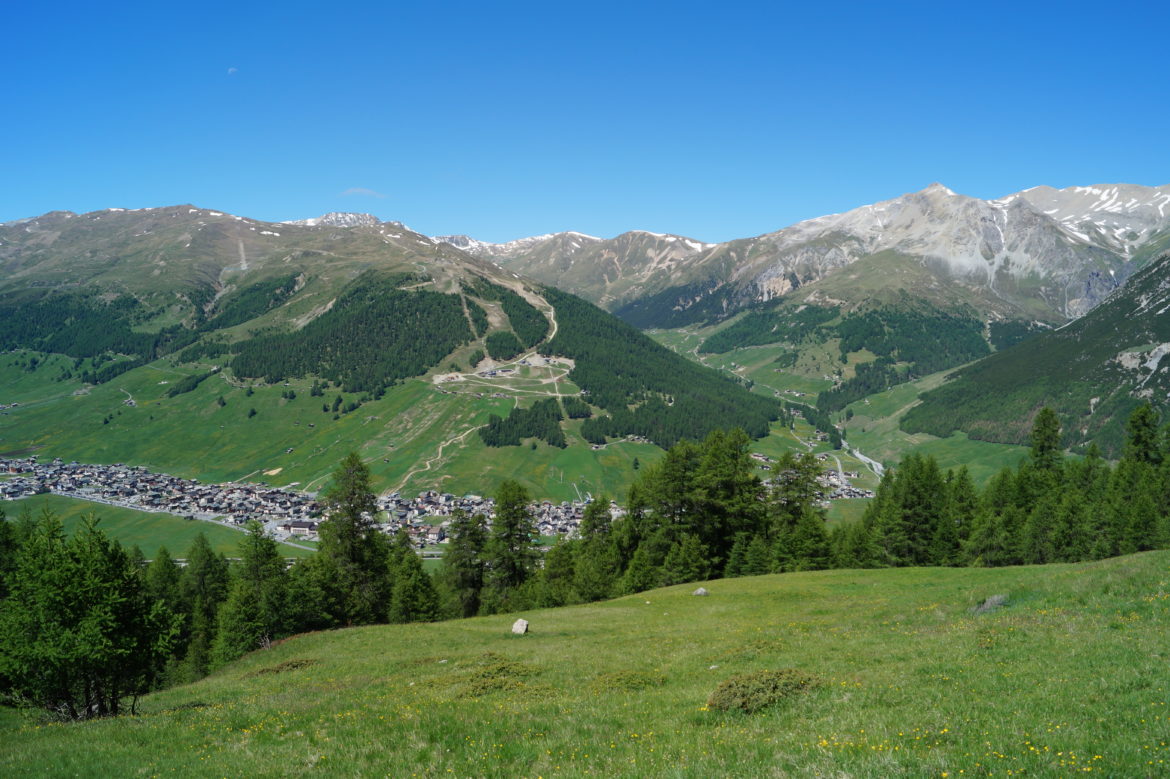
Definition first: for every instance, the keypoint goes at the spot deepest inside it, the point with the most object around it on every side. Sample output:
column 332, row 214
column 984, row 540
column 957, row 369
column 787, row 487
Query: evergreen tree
column 160, row 579
column 413, row 598
column 461, row 572
column 203, row 586
column 351, row 541
column 1046, row 452
column 757, row 558
column 736, row 557
column 511, row 555
column 641, row 574
column 596, row 568
column 596, row 519
column 685, row 562
column 992, row 542
column 1143, row 441
column 315, row 600
column 557, row 576
column 78, row 633
column 256, row 611
column 795, row 489
column 962, row 503
column 1035, row 541
column 1070, row 532
column 728, row 493
column 809, row 544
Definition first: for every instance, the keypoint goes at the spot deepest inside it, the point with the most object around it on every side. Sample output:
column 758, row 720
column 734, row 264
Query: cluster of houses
column 292, row 514
column 835, row 484
column 137, row 488
column 426, row 518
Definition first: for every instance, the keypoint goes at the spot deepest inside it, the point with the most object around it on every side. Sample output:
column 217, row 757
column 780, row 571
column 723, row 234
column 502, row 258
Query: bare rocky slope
column 1042, row 253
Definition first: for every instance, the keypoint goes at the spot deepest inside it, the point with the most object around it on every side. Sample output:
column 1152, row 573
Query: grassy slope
column 874, row 429
column 192, row 436
column 149, row 530
column 1070, row 675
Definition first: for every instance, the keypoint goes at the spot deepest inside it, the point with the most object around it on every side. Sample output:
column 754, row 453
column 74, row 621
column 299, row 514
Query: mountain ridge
column 1075, row 245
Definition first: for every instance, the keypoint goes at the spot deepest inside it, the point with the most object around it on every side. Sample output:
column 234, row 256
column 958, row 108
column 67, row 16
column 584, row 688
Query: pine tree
column 596, row 571
column 641, row 575
column 795, row 489
column 413, row 598
column 1070, row 531
column 736, row 557
column 728, row 493
column 809, row 543
column 1144, row 439
column 1046, row 451
column 461, row 572
column 596, row 519
column 78, row 633
column 685, row 562
column 352, row 542
column 511, row 555
column 256, row 611
column 314, row 599
column 557, row 575
column 203, row 586
column 757, row 559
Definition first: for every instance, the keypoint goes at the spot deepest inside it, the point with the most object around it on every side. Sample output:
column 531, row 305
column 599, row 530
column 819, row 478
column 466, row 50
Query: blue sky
column 500, row 120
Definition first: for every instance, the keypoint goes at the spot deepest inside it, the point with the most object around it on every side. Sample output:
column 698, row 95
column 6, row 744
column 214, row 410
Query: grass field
column 419, row 436
column 149, row 530
column 1069, row 677
column 874, row 430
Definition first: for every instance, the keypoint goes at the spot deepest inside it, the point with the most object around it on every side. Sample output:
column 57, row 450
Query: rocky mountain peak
column 337, row 219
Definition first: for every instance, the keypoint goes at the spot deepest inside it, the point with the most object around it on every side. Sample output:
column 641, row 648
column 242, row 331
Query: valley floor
column 1069, row 676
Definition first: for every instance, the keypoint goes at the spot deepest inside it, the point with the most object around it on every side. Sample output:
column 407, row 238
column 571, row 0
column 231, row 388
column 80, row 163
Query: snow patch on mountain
column 336, row 219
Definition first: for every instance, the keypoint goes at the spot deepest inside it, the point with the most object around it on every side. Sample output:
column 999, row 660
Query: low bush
column 758, row 690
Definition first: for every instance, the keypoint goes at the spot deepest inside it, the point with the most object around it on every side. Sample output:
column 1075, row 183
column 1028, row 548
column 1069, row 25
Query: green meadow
column 420, row 436
column 874, row 429
column 1068, row 677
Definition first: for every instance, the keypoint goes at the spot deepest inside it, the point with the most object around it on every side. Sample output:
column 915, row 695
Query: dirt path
column 426, row 466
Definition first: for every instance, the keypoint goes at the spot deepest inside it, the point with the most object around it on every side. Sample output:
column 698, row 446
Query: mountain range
column 898, row 289
column 1044, row 253
column 337, row 331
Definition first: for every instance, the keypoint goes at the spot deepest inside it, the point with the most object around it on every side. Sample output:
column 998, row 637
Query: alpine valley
column 221, row 347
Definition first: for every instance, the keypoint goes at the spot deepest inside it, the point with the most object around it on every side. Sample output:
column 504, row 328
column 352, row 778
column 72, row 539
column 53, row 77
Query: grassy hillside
column 1092, row 372
column 419, row 436
column 1069, row 676
column 874, row 428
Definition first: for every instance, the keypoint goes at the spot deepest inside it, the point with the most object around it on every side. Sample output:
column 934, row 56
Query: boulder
column 991, row 604
column 701, row 591
column 520, row 627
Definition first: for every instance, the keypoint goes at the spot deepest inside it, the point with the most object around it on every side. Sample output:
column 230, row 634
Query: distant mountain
column 1039, row 254
column 337, row 219
column 607, row 272
column 358, row 305
column 1092, row 371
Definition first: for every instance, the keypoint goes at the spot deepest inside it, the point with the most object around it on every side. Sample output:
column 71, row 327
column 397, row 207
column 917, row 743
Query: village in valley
column 292, row 515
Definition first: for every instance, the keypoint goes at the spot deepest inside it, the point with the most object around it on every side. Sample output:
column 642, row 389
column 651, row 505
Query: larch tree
column 352, row 543
column 78, row 633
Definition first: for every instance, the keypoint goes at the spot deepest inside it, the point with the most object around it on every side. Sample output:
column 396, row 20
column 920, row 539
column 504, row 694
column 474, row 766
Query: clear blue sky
column 714, row 120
